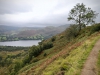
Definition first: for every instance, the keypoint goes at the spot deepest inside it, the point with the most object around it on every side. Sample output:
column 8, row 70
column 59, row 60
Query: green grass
column 98, row 64
column 73, row 63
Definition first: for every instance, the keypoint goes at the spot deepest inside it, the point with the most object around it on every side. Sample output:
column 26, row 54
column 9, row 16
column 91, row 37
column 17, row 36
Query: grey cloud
column 8, row 7
column 60, row 20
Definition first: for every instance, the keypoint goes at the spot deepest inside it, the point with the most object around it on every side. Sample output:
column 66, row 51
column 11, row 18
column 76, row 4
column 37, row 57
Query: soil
column 90, row 64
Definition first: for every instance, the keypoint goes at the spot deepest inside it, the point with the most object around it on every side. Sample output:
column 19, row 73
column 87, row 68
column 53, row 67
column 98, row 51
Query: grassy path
column 90, row 64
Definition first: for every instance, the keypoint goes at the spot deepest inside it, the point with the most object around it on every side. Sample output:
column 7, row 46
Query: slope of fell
column 90, row 64
column 65, row 57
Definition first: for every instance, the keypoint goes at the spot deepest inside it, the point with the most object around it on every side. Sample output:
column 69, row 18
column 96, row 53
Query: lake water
column 24, row 43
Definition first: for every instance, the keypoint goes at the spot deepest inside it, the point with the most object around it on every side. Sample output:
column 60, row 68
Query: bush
column 53, row 39
column 95, row 28
column 0, row 58
column 35, row 60
column 61, row 36
column 72, row 32
column 36, row 50
column 26, row 60
column 44, row 54
column 47, row 45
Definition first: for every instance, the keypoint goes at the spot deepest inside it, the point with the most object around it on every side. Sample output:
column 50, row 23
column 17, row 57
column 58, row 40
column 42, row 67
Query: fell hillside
column 63, row 54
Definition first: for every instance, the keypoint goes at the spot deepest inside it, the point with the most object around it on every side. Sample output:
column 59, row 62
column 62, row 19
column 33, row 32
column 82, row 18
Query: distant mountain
column 50, row 31
column 5, row 29
column 46, row 32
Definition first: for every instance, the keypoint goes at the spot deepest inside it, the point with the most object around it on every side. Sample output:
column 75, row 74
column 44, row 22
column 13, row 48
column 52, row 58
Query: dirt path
column 90, row 64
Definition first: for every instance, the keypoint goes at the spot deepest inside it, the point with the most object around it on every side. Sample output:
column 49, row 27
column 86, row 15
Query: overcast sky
column 40, row 12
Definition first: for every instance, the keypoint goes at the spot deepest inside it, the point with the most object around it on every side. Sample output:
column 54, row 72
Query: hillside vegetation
column 63, row 54
column 98, row 64
column 8, row 58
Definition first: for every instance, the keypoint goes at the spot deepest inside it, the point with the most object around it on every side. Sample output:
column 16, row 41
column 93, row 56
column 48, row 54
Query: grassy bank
column 72, row 63
column 98, row 63
column 66, row 57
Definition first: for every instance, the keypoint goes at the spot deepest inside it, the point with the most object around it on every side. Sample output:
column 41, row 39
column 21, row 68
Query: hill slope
column 90, row 64
column 63, row 54
column 66, row 56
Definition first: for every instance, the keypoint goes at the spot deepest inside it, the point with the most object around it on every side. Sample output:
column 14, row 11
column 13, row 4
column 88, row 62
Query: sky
column 40, row 12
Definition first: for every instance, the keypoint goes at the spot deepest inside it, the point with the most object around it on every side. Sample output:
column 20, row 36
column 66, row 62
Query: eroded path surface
column 90, row 64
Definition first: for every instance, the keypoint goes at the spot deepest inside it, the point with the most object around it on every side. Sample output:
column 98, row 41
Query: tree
column 82, row 15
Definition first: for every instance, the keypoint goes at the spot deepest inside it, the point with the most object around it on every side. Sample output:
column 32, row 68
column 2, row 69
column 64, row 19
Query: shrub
column 35, row 60
column 72, row 32
column 35, row 51
column 53, row 39
column 44, row 54
column 47, row 45
column 0, row 58
column 95, row 28
column 61, row 36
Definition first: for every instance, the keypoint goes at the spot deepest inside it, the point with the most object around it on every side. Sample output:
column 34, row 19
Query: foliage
column 95, row 28
column 12, row 48
column 13, row 38
column 17, row 66
column 69, row 61
column 82, row 15
column 10, row 58
column 71, row 32
column 44, row 54
column 73, row 63
column 36, row 50
column 53, row 38
column 35, row 60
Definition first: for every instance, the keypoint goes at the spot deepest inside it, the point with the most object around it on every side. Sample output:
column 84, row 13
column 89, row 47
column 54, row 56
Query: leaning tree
column 82, row 15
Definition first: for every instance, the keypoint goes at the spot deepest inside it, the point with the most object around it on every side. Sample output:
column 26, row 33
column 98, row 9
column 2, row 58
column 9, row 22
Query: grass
column 66, row 57
column 98, row 64
column 8, row 60
column 73, row 63
column 50, row 53
column 70, row 63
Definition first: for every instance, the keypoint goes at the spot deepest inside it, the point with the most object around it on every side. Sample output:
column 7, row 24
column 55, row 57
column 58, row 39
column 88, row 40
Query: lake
column 25, row 43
